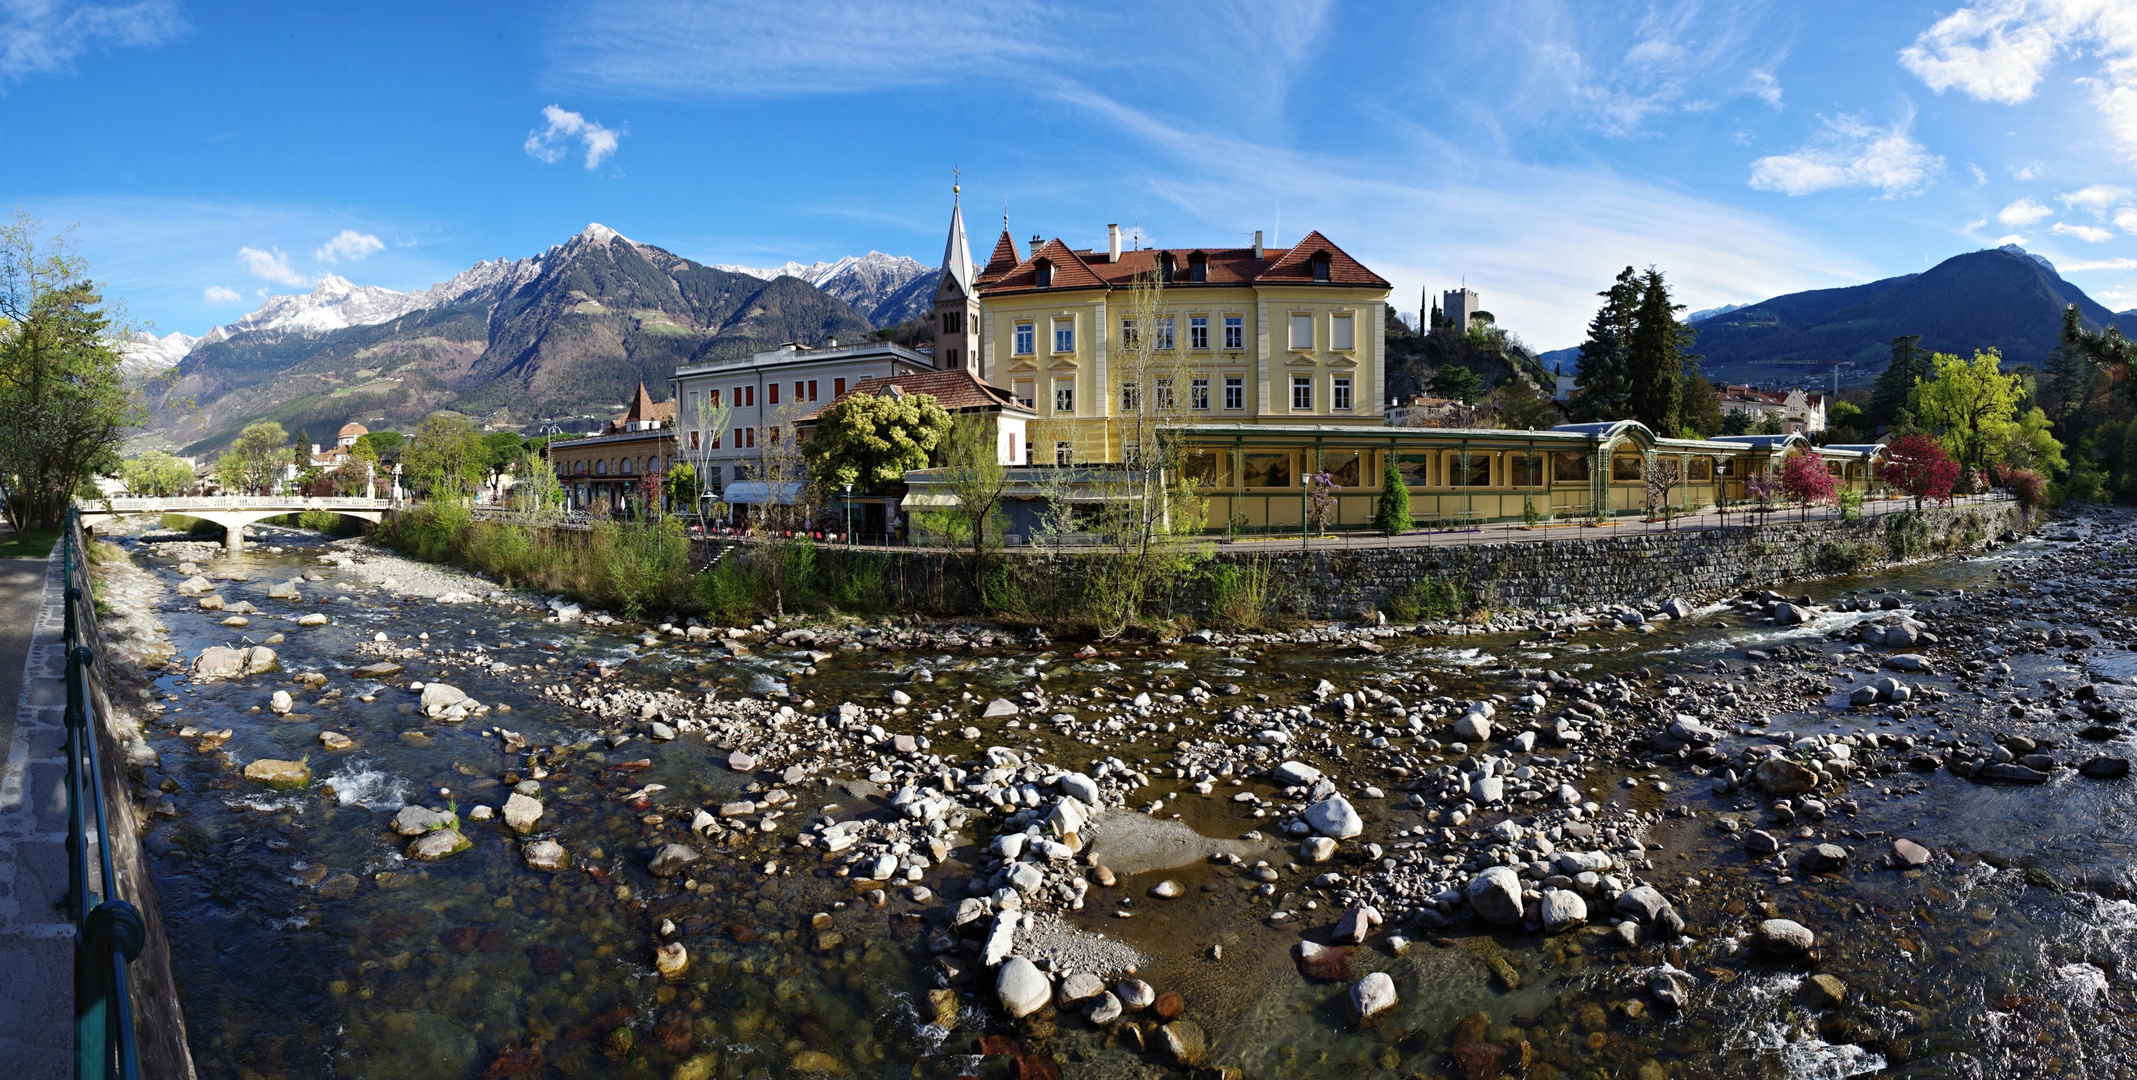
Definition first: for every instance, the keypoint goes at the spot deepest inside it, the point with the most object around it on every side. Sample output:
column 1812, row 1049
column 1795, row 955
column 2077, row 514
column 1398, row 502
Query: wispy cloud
column 2081, row 266
column 549, row 144
column 2000, row 50
column 2023, row 212
column 2126, row 220
column 2088, row 233
column 43, row 37
column 270, row 266
column 1852, row 153
column 2095, row 199
column 216, row 294
column 349, row 244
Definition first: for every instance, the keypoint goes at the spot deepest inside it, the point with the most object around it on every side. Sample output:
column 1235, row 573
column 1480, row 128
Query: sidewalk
column 36, row 938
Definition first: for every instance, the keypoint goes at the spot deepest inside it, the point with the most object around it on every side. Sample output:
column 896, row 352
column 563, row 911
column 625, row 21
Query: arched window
column 628, row 466
column 601, row 467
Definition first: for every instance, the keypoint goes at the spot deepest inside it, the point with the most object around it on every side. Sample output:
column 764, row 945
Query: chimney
column 1112, row 243
column 1257, row 243
column 1035, row 243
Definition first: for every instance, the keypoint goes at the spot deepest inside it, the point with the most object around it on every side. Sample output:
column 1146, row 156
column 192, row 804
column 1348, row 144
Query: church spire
column 956, row 253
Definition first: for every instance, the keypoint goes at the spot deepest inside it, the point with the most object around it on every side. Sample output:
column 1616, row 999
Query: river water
column 306, row 944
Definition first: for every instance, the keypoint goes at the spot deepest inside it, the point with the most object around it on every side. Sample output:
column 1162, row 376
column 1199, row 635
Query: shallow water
column 306, row 944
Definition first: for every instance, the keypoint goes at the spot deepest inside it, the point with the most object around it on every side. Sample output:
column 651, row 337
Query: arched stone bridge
column 233, row 512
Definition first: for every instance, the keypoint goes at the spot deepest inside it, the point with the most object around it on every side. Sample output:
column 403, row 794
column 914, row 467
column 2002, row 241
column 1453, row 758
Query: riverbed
column 842, row 791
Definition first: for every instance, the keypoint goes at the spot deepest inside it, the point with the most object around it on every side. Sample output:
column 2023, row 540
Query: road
column 36, row 940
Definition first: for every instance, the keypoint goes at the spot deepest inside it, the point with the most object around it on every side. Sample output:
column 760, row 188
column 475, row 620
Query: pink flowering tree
column 1806, row 480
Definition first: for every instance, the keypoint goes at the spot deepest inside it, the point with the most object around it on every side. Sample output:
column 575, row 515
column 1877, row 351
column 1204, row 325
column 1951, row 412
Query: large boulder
column 1185, row 1042
column 417, row 820
column 1022, row 987
column 437, row 697
column 544, row 855
column 1334, row 817
column 670, row 860
column 433, row 846
column 522, row 812
column 1644, row 903
column 1371, row 997
column 279, row 774
column 195, row 586
column 1783, row 937
column 1781, row 776
column 219, row 662
column 1296, row 774
column 260, row 659
column 1792, row 615
column 1562, row 909
column 1473, row 727
column 1495, row 895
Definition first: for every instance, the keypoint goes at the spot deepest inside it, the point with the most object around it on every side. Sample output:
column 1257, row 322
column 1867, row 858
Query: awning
column 929, row 501
column 757, row 492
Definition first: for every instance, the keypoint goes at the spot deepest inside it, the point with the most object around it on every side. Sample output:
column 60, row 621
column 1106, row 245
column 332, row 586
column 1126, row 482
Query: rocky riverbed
column 413, row 824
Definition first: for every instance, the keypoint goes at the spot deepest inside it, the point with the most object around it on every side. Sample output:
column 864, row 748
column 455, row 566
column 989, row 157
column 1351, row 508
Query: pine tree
column 1896, row 385
column 1654, row 358
column 1603, row 383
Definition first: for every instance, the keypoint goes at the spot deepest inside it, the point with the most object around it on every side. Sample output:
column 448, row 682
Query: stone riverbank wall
column 1563, row 568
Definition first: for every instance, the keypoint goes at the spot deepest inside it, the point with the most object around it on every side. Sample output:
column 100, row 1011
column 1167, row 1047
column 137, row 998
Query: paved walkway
column 36, row 938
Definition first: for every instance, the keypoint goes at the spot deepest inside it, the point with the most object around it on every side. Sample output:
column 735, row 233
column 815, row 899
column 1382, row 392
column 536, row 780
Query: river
column 307, row 943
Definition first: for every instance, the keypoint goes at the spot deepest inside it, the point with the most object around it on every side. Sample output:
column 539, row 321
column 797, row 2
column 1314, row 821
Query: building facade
column 734, row 410
column 1798, row 411
column 609, row 470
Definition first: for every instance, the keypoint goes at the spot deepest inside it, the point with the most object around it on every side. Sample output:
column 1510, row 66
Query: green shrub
column 643, row 566
column 1392, row 515
column 1846, row 556
column 728, row 591
column 1430, row 597
column 1851, row 505
column 1241, row 593
column 1907, row 535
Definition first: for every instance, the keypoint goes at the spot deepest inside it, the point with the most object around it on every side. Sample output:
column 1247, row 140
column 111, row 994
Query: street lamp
column 849, row 513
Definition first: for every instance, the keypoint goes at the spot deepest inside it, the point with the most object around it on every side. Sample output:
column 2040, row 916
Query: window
column 582, row 468
column 1235, row 392
column 693, row 406
column 1206, row 468
column 1131, row 453
column 1022, row 391
column 712, row 399
column 1065, row 336
column 1302, row 331
column 771, row 436
column 1164, row 332
column 750, row 392
column 1012, row 459
column 1023, row 345
column 801, row 390
column 738, row 397
column 1165, row 402
column 1131, row 398
column 1265, row 470
column 1339, row 393
column 1198, row 267
column 1128, row 336
column 1701, row 470
column 1569, row 465
column 1320, row 267
column 1416, row 470
column 1198, row 331
column 1042, row 274
column 953, row 322
column 1626, row 468
column 1526, row 470
column 1479, row 470
column 812, row 389
column 601, row 467
column 740, row 474
column 715, row 441
column 693, row 436
column 1343, row 467
column 838, row 388
column 1235, row 332
column 1340, row 335
column 771, row 393
column 1063, row 452
column 1198, row 394
column 1064, row 396
column 1302, row 392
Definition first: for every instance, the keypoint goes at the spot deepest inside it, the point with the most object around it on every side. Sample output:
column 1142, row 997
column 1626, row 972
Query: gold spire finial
column 955, row 187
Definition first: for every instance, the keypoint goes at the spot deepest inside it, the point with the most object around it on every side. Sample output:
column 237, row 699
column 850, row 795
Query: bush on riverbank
column 635, row 569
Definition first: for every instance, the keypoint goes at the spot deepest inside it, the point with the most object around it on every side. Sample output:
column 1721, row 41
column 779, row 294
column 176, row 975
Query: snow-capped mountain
column 889, row 289
column 146, row 354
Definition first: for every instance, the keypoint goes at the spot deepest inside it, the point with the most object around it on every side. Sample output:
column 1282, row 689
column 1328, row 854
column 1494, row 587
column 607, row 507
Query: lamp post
column 849, row 513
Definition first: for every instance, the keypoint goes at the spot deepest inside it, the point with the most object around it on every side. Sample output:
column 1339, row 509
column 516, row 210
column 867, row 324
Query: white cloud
column 2023, row 212
column 2027, row 172
column 2014, row 238
column 1852, row 153
column 269, row 266
column 349, row 244
column 2087, row 233
column 216, row 294
column 1766, row 88
column 1999, row 50
column 2126, row 219
column 549, row 143
column 1980, row 177
column 2097, row 264
column 38, row 37
column 2096, row 198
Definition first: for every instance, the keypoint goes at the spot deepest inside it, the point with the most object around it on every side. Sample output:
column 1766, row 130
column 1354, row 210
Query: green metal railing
column 109, row 932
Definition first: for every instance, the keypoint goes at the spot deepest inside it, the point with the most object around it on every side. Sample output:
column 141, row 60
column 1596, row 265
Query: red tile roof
column 955, row 390
column 643, row 407
column 1224, row 267
column 1004, row 259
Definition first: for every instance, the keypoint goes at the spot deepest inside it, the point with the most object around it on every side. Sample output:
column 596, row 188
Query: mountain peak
column 2014, row 249
column 597, row 233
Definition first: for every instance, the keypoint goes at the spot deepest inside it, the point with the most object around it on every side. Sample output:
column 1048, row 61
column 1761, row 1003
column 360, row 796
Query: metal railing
column 109, row 932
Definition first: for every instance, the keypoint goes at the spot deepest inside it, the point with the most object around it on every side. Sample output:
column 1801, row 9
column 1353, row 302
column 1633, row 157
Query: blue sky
column 213, row 153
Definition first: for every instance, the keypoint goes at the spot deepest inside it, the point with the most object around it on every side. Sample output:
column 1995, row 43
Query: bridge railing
column 147, row 503
column 109, row 932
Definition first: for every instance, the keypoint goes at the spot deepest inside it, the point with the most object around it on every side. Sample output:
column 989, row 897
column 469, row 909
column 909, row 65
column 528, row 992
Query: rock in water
column 1167, row 889
column 432, row 846
column 1079, row 987
column 1907, row 853
column 671, row 959
column 1825, row 991
column 1783, row 937
column 2105, row 768
column 1372, row 996
column 1324, row 962
column 218, row 662
column 670, row 860
column 281, row 703
column 1135, row 994
column 1495, row 895
column 1644, row 903
column 522, row 812
column 1562, row 909
column 1334, row 817
column 544, row 855
column 279, row 774
column 438, row 695
column 1185, row 1042
column 1472, row 727
column 999, row 708
column 1022, row 988
column 742, row 761
column 313, row 619
column 334, row 740
column 1105, row 1010
column 1780, row 776
column 417, row 820
column 1082, row 787
column 1296, row 774
column 1317, row 849
column 1791, row 615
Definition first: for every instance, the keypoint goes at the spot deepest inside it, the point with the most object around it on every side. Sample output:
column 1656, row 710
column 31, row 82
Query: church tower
column 957, row 315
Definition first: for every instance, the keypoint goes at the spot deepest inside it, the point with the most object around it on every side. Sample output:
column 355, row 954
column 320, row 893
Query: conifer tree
column 1603, row 382
column 1896, row 385
column 1654, row 358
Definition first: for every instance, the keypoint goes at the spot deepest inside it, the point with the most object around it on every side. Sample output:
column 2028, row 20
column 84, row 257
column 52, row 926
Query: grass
column 30, row 545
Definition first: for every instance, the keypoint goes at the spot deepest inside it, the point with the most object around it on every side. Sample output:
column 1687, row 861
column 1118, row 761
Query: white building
column 764, row 394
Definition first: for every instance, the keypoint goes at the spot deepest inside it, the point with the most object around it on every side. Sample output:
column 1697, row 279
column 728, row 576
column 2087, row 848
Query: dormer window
column 1320, row 267
column 1198, row 267
column 1042, row 274
column 1165, row 268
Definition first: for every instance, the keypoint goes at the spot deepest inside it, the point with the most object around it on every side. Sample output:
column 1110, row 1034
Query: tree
column 1516, row 405
column 155, row 473
column 64, row 400
column 385, row 446
column 1604, row 381
column 2030, row 445
column 1738, row 422
column 702, row 421
column 254, row 462
column 1844, row 416
column 1918, row 466
column 1654, row 358
column 446, row 459
column 1769, row 424
column 1392, row 514
column 1458, row 383
column 500, row 449
column 1896, row 385
column 2080, row 363
column 1805, row 480
column 538, row 495
column 1970, row 404
column 972, row 469
column 1701, row 410
column 873, row 440
column 1659, row 477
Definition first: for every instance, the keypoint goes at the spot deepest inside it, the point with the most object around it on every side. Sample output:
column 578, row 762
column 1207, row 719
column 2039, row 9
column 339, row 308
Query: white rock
column 1333, row 816
column 1495, row 895
column 522, row 812
column 1372, row 996
column 1296, row 774
column 1022, row 987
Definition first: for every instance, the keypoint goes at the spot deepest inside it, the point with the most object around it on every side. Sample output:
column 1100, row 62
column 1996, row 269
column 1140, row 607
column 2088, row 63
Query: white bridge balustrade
column 233, row 512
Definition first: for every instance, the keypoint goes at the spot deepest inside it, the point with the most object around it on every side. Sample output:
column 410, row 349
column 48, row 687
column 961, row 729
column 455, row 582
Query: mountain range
column 889, row 289
column 570, row 331
column 2006, row 298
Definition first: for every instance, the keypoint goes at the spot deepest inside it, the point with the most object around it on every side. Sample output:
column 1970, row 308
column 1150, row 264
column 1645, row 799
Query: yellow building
column 1242, row 336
